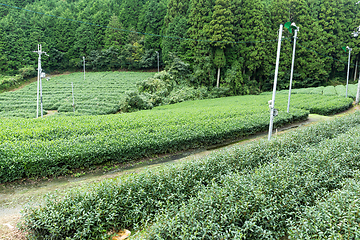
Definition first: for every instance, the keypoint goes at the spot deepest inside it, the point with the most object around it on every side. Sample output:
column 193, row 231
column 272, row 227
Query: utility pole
column 355, row 69
column 72, row 90
column 157, row 53
column 42, row 75
column 348, row 71
column 84, row 67
column 39, row 51
column 272, row 102
column 292, row 65
column 356, row 34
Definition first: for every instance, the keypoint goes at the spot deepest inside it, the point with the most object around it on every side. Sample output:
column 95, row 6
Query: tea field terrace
column 51, row 146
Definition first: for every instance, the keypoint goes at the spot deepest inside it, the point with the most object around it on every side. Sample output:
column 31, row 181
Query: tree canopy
column 238, row 36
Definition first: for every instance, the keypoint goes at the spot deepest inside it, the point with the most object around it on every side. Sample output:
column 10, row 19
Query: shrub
column 335, row 217
column 257, row 204
column 132, row 201
column 329, row 91
column 135, row 101
column 27, row 72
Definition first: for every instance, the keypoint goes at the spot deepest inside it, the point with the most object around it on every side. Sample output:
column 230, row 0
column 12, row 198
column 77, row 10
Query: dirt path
column 13, row 197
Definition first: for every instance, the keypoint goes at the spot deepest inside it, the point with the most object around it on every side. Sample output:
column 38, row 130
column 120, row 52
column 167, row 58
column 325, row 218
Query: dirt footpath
column 8, row 229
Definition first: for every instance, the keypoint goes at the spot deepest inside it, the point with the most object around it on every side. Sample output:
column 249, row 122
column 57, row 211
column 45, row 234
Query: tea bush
column 335, row 217
column 46, row 150
column 100, row 93
column 319, row 105
column 54, row 146
column 339, row 90
column 258, row 204
column 330, row 91
column 133, row 201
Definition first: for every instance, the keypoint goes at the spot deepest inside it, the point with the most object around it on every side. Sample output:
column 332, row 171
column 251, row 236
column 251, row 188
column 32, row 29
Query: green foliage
column 219, row 58
column 248, row 190
column 190, row 29
column 257, row 203
column 9, row 82
column 220, row 29
column 99, row 93
column 334, row 217
column 114, row 37
column 134, row 101
column 179, row 69
column 183, row 93
column 338, row 90
column 151, row 92
column 330, row 91
column 330, row 106
column 235, row 81
column 54, row 145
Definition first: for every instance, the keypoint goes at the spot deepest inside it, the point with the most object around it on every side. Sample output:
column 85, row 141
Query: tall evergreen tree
column 309, row 65
column 253, row 29
column 330, row 20
column 222, row 32
column 176, row 8
column 3, row 52
column 200, row 50
column 152, row 21
column 114, row 37
column 175, row 27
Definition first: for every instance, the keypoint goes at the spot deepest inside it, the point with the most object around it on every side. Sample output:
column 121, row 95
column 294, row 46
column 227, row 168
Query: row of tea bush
column 257, row 188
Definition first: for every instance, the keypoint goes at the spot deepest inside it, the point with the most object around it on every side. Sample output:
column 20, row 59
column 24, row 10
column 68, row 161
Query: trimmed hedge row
column 49, row 151
column 335, row 217
column 258, row 204
column 53, row 146
column 133, row 201
column 320, row 105
column 89, row 94
column 339, row 90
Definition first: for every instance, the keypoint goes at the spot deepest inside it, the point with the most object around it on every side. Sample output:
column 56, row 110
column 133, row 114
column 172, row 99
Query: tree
column 234, row 80
column 173, row 44
column 200, row 50
column 175, row 27
column 176, row 8
column 151, row 22
column 3, row 54
column 219, row 62
column 85, row 40
column 308, row 64
column 114, row 37
column 253, row 28
column 129, row 13
column 221, row 32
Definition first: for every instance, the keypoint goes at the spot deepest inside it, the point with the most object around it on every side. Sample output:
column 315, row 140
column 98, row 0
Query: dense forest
column 236, row 38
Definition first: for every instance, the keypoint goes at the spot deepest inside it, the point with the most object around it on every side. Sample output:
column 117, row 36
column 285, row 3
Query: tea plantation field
column 100, row 93
column 301, row 185
column 55, row 145
column 339, row 90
